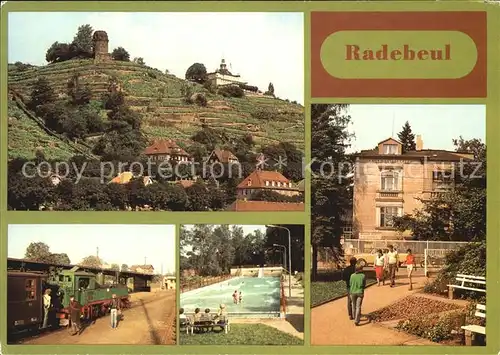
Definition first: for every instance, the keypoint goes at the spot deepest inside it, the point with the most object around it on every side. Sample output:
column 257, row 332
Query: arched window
column 389, row 180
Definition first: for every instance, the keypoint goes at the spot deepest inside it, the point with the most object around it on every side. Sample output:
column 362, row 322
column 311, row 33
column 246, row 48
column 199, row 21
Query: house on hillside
column 263, row 180
column 142, row 269
column 265, row 206
column 127, row 176
column 223, row 76
column 166, row 150
column 222, row 156
column 390, row 182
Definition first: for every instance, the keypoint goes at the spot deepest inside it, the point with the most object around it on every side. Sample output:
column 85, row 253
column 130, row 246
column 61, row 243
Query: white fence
column 418, row 247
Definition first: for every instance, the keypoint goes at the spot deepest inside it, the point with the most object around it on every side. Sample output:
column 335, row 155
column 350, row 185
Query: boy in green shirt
column 357, row 291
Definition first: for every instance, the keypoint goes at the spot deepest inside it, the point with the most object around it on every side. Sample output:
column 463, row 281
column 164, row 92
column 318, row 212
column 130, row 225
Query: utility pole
column 97, row 254
column 145, row 261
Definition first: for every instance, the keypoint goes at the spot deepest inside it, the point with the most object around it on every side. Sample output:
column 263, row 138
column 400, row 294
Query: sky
column 437, row 124
column 121, row 244
column 261, row 47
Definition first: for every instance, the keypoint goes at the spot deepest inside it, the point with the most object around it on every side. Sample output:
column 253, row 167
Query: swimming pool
column 261, row 297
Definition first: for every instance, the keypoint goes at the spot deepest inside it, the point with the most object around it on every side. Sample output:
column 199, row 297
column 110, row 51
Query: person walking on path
column 393, row 260
column 75, row 310
column 348, row 271
column 379, row 267
column 115, row 308
column 410, row 266
column 357, row 292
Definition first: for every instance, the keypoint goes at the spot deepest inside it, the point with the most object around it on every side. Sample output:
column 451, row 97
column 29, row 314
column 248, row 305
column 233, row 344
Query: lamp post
column 284, row 250
column 289, row 256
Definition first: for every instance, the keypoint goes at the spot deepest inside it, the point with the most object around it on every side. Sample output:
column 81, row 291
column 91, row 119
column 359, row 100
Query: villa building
column 390, row 182
column 166, row 150
column 223, row 76
column 263, row 180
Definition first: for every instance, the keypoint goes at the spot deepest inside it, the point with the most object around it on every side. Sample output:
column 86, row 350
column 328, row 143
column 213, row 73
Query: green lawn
column 242, row 334
column 326, row 291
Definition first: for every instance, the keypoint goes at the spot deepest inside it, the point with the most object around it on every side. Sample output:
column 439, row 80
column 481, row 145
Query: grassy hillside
column 160, row 99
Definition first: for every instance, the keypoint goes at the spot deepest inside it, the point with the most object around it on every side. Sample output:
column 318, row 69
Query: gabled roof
column 224, row 156
column 258, row 179
column 390, row 139
column 165, row 146
column 265, row 206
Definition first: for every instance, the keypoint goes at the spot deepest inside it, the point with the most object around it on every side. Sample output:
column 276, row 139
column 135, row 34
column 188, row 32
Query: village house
column 389, row 182
column 166, row 150
column 222, row 156
column 142, row 269
column 223, row 76
column 127, row 176
column 263, row 180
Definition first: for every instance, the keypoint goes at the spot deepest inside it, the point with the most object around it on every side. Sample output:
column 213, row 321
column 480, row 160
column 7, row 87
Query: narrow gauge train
column 25, row 297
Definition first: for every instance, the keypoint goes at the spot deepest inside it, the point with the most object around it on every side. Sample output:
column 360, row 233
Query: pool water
column 261, row 297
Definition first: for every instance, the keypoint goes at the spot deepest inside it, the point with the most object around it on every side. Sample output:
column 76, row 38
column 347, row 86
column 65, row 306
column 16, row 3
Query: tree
column 124, row 267
column 114, row 267
column 83, row 39
column 41, row 94
column 231, row 91
column 270, row 89
column 120, row 54
column 79, row 94
column 38, row 252
column 407, row 138
column 331, row 197
column 139, row 61
column 459, row 214
column 197, row 73
column 60, row 259
column 91, row 261
column 75, row 126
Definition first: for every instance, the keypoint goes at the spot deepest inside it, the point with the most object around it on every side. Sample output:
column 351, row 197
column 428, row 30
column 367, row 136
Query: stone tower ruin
column 101, row 41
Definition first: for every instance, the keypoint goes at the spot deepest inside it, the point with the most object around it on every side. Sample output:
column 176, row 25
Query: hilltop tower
column 101, row 41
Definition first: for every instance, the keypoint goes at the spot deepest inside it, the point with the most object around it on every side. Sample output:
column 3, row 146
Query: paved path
column 150, row 321
column 330, row 324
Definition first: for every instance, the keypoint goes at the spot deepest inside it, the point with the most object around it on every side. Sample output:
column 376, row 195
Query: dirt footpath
column 150, row 321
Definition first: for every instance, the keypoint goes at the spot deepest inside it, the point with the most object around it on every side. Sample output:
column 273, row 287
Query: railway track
column 22, row 336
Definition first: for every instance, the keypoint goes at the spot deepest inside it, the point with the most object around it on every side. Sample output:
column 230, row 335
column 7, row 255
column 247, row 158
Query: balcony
column 389, row 195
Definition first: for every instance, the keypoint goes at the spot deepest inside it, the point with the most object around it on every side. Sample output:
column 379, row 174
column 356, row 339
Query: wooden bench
column 185, row 324
column 468, row 282
column 208, row 325
column 471, row 330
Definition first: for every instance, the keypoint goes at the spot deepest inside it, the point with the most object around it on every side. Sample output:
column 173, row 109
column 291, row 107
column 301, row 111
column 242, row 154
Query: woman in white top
column 379, row 267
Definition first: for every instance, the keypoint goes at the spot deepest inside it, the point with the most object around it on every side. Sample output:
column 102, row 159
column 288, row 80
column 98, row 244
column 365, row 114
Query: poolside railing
column 202, row 282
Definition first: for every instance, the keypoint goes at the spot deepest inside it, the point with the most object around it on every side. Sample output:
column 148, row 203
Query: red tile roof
column 265, row 206
column 165, row 146
column 258, row 179
column 224, row 156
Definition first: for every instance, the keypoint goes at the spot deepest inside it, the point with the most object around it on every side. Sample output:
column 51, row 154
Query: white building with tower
column 223, row 76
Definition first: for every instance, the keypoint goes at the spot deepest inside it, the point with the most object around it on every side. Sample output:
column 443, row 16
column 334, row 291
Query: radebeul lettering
column 405, row 52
